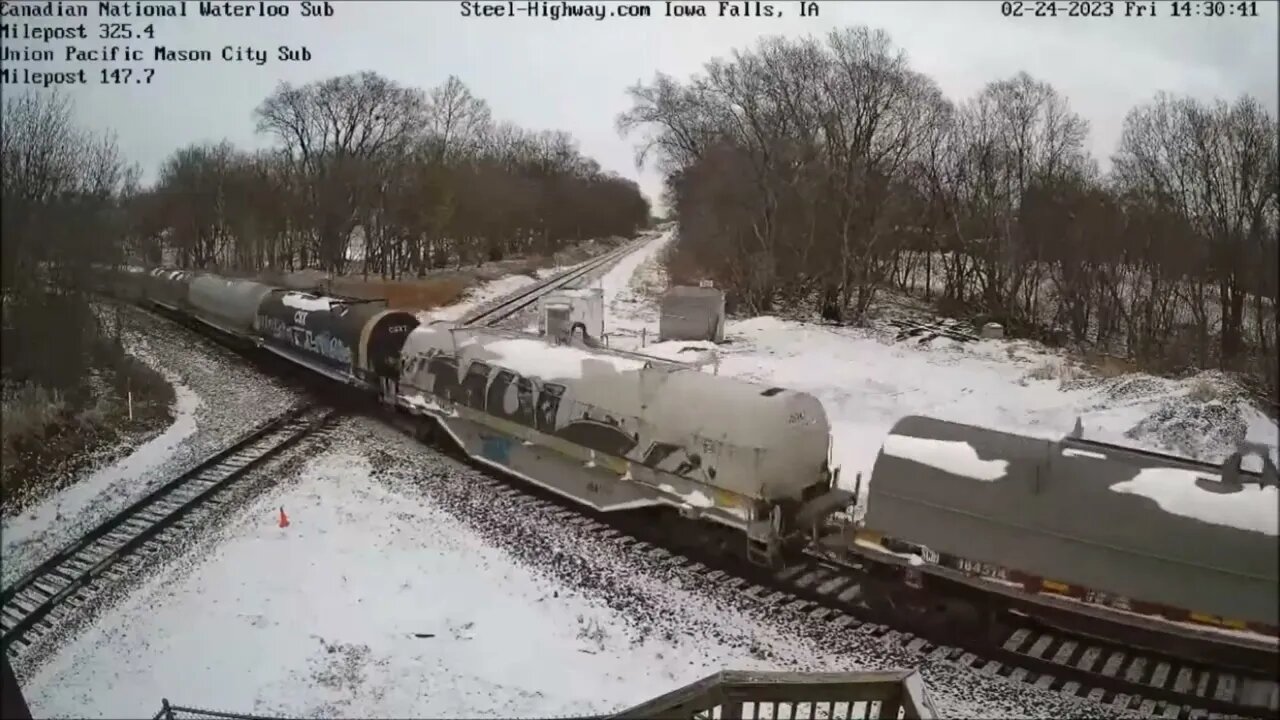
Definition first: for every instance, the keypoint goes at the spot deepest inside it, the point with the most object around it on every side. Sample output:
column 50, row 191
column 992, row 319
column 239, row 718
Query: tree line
column 66, row 381
column 370, row 176
column 828, row 170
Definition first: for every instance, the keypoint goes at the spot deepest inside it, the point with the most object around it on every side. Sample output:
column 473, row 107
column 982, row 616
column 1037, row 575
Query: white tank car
column 616, row 432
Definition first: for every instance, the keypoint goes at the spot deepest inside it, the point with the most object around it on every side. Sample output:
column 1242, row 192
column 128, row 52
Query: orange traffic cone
column 284, row 519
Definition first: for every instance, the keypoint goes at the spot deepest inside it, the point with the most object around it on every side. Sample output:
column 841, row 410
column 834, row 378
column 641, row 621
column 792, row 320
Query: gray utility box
column 692, row 313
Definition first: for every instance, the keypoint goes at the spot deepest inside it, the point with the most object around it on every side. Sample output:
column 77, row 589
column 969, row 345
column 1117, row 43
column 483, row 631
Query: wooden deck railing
column 733, row 695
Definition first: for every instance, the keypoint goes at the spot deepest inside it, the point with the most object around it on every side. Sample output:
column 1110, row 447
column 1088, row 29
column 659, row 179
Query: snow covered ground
column 624, row 286
column 403, row 587
column 217, row 398
column 867, row 381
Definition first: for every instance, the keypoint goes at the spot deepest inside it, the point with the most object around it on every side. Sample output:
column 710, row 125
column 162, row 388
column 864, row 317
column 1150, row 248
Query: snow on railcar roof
column 1251, row 507
column 536, row 358
column 953, row 456
column 304, row 301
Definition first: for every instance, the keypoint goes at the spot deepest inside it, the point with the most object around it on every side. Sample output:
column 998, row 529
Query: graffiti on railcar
column 323, row 344
column 677, row 460
column 506, row 394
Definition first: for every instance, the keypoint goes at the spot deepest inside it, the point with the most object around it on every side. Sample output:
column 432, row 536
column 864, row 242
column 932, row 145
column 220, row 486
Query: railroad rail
column 491, row 314
column 43, row 598
column 836, row 595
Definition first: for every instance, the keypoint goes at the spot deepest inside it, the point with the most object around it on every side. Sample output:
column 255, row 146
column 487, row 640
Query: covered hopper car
column 168, row 288
column 1131, row 530
column 227, row 304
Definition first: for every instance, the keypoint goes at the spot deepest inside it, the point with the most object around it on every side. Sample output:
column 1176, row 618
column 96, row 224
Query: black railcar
column 351, row 340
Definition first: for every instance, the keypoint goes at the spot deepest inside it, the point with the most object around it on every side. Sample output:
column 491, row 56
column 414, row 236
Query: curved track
column 39, row 601
column 508, row 305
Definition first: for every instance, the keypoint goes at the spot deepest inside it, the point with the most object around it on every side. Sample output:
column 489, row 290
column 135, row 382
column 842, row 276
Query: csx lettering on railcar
column 322, row 344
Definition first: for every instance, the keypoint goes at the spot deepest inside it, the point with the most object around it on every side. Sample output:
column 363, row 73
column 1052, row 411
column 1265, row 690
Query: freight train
column 606, row 429
column 1072, row 524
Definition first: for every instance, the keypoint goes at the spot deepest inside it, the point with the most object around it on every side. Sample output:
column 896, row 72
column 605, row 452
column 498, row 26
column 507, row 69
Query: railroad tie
column 1112, row 666
column 1089, row 658
column 811, row 577
column 1225, row 690
column 1065, row 652
column 1041, row 645
column 1014, row 641
column 1160, row 674
column 827, row 587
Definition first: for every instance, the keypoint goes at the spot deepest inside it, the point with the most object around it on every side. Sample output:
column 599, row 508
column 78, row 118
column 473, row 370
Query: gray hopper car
column 616, row 433
column 1154, row 533
column 169, row 288
column 229, row 305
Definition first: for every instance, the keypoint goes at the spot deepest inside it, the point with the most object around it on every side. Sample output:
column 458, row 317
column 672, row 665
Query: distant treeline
column 828, row 170
column 416, row 180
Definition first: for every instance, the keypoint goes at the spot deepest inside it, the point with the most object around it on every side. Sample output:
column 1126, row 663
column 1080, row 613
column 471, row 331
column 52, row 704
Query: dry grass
column 30, row 409
column 1061, row 370
column 409, row 295
column 1203, row 391
column 1109, row 366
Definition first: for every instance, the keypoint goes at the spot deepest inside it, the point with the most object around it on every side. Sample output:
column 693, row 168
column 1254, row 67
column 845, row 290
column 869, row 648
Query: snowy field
column 405, row 588
column 867, row 381
column 217, row 398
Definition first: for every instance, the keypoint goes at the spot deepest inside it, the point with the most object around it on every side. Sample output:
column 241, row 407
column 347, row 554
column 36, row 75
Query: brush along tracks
column 40, row 601
column 841, row 597
column 504, row 307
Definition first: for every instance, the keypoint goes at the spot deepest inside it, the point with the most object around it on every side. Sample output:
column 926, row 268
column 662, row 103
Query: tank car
column 616, row 432
column 1139, row 531
column 168, row 288
column 353, row 341
column 226, row 304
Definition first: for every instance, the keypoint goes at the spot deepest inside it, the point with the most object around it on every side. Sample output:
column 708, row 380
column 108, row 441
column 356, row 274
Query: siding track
column 508, row 305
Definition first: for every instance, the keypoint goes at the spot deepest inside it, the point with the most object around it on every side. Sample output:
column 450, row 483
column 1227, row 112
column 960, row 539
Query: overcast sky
column 572, row 74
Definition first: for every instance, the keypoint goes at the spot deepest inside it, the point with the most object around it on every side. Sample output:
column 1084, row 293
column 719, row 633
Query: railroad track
column 491, row 314
column 44, row 598
column 821, row 591
column 1151, row 683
